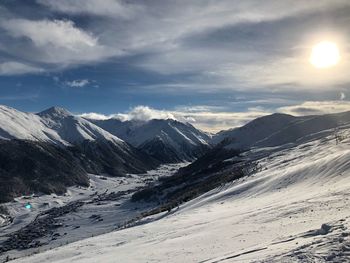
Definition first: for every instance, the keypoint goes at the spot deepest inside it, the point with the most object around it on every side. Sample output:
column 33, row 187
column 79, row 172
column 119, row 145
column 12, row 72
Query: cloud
column 78, row 83
column 257, row 51
column 17, row 68
column 219, row 45
column 214, row 119
column 316, row 108
column 58, row 43
column 142, row 113
column 199, row 116
column 146, row 113
column 58, row 33
column 112, row 8
column 96, row 116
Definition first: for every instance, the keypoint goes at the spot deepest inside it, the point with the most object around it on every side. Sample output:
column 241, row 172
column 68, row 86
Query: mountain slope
column 278, row 129
column 73, row 129
column 296, row 209
column 54, row 125
column 15, row 124
column 56, row 149
column 28, row 167
column 256, row 130
column 306, row 129
column 167, row 140
column 58, row 126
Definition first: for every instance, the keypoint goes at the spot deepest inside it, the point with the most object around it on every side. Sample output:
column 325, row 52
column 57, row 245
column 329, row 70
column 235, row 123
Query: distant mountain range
column 230, row 156
column 53, row 149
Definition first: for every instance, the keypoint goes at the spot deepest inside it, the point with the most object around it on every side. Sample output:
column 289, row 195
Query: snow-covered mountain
column 54, row 125
column 15, row 124
column 167, row 140
column 72, row 128
column 295, row 208
column 49, row 144
column 278, row 129
column 274, row 133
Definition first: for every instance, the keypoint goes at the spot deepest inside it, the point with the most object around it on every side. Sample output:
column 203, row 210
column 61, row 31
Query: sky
column 216, row 64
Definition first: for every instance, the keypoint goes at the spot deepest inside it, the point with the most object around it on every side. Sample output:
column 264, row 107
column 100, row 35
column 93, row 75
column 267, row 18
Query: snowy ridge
column 55, row 125
column 181, row 140
column 27, row 126
column 278, row 129
column 139, row 132
column 73, row 128
column 307, row 128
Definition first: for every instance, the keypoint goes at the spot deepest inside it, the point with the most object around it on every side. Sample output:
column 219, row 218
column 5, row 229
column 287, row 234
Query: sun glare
column 325, row 55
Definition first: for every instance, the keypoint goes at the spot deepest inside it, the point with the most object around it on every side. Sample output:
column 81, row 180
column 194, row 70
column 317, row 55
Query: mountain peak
column 55, row 112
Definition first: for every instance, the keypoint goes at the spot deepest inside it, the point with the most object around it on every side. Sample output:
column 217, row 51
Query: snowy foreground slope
column 296, row 209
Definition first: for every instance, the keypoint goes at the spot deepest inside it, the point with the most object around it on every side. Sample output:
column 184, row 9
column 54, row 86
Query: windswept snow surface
column 296, row 209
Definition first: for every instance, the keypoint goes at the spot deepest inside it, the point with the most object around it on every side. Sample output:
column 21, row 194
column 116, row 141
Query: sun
column 324, row 54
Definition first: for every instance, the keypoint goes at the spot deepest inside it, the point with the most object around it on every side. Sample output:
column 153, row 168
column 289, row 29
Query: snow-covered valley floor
column 296, row 209
column 102, row 208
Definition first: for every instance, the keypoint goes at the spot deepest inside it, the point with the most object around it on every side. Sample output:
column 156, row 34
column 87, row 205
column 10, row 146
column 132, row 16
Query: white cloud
column 145, row 113
column 215, row 119
column 16, row 68
column 296, row 70
column 56, row 42
column 96, row 7
column 78, row 83
column 316, row 108
column 165, row 33
column 96, row 116
column 59, row 33
column 199, row 116
column 142, row 113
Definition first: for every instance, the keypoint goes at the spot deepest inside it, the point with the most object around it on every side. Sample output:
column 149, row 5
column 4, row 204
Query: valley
column 171, row 131
column 273, row 190
column 80, row 213
column 296, row 209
